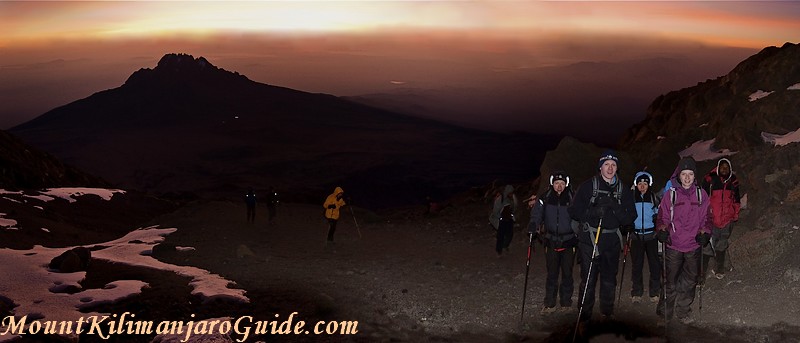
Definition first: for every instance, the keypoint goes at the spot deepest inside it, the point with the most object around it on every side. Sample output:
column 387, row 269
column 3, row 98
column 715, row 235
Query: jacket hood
column 716, row 169
column 338, row 190
column 508, row 190
column 684, row 164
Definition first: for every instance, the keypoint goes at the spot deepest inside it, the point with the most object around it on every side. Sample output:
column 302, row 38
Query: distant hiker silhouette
column 272, row 205
column 250, row 200
column 502, row 218
column 333, row 203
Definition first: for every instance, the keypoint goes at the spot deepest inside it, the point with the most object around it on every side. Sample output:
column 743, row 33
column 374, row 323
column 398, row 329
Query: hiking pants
column 505, row 232
column 720, row 239
column 272, row 212
column 640, row 248
column 559, row 262
column 606, row 265
column 331, row 228
column 251, row 213
column 682, row 269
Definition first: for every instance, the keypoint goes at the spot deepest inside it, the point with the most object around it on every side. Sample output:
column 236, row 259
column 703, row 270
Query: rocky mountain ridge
column 188, row 126
column 25, row 167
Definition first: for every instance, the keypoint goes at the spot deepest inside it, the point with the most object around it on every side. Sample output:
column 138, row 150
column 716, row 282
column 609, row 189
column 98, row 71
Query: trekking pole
column 664, row 284
column 700, row 284
column 527, row 269
column 588, row 276
column 625, row 250
column 702, row 278
column 355, row 221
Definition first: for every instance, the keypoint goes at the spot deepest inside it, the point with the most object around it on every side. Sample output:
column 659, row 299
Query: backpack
column 672, row 201
column 507, row 213
column 617, row 193
column 654, row 199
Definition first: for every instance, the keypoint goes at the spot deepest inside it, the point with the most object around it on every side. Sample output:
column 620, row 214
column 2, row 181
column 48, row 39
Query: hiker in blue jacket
column 643, row 240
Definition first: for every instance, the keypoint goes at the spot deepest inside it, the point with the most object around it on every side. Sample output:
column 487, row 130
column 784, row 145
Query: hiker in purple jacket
column 684, row 226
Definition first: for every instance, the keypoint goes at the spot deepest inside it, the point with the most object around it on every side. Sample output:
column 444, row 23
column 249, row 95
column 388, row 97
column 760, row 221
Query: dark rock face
column 723, row 109
column 24, row 167
column 73, row 260
column 579, row 160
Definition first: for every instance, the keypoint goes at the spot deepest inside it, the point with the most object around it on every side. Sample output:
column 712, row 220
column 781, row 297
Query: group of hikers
column 333, row 203
column 272, row 205
column 677, row 229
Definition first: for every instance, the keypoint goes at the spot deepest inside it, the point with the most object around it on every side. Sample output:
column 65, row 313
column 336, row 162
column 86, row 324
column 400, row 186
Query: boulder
column 73, row 260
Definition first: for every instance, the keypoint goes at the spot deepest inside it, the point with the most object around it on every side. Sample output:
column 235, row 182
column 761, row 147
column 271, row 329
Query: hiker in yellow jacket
column 332, row 204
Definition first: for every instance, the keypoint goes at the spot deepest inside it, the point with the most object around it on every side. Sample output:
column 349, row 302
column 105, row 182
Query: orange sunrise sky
column 55, row 52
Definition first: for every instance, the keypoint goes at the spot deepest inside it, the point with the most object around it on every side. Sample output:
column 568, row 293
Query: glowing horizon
column 740, row 24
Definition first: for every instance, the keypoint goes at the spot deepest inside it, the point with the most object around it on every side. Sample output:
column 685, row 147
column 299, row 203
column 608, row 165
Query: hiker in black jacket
column 550, row 211
column 601, row 198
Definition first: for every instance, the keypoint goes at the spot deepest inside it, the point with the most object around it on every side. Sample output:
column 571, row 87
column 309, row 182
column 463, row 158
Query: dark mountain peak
column 181, row 68
column 183, row 63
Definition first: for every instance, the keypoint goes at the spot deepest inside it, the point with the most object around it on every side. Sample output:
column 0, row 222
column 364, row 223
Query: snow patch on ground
column 70, row 193
column 35, row 288
column 704, row 151
column 759, row 94
column 781, row 140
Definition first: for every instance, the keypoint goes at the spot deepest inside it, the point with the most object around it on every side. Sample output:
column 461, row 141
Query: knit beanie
column 607, row 155
column 687, row 163
column 643, row 176
column 559, row 175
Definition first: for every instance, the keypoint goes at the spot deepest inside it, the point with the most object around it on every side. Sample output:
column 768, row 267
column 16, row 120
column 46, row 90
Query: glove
column 332, row 206
column 596, row 211
column 703, row 238
column 607, row 202
column 625, row 229
column 663, row 236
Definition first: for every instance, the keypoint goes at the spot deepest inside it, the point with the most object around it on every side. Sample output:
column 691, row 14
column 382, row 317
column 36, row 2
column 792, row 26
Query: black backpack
column 616, row 193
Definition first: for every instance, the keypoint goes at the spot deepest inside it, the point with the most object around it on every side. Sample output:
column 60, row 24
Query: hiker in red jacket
column 723, row 188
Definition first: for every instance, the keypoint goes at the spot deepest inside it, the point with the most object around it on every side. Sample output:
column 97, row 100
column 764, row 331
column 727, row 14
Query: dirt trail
column 417, row 278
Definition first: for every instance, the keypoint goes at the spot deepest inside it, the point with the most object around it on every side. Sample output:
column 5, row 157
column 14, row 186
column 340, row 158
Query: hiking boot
column 607, row 318
column 636, row 299
column 564, row 309
column 719, row 276
column 548, row 310
column 654, row 299
column 686, row 320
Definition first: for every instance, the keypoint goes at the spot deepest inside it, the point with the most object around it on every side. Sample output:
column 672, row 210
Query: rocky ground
column 406, row 276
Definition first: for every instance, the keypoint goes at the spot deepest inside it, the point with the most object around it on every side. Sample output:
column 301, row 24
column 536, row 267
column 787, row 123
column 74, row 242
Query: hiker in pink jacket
column 684, row 226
